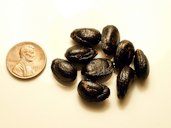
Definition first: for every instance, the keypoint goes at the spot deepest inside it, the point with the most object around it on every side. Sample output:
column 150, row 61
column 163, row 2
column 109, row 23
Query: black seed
column 97, row 69
column 141, row 64
column 110, row 38
column 80, row 54
column 93, row 92
column 124, row 54
column 124, row 78
column 63, row 70
column 86, row 36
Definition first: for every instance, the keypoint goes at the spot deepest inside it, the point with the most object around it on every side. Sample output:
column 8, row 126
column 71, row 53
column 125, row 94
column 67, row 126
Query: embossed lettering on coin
column 26, row 60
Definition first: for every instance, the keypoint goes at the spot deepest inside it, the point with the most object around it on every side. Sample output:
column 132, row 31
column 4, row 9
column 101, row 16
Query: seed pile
column 96, row 69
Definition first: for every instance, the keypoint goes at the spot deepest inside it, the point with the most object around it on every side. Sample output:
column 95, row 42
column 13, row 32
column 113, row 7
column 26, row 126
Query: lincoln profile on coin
column 24, row 67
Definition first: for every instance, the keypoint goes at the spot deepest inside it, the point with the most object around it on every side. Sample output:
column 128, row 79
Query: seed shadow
column 79, row 66
column 94, row 106
column 116, row 71
column 101, row 53
column 65, row 85
column 125, row 101
column 142, row 84
column 73, row 42
column 105, row 79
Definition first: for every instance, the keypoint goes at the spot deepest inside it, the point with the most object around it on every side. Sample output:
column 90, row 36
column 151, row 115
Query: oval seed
column 64, row 70
column 109, row 40
column 80, row 54
column 86, row 36
column 124, row 78
column 97, row 69
column 141, row 64
column 93, row 92
column 124, row 54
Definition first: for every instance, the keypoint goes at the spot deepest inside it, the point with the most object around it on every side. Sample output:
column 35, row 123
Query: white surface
column 44, row 103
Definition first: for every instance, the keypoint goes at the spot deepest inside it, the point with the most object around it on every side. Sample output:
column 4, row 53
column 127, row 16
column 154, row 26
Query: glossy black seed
column 141, row 64
column 124, row 78
column 97, row 69
column 86, row 36
column 80, row 54
column 63, row 70
column 109, row 40
column 93, row 92
column 124, row 54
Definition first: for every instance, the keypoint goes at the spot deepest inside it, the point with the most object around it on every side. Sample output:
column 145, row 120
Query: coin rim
column 36, row 74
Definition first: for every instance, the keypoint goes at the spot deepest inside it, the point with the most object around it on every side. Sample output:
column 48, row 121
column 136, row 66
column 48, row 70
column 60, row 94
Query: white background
column 44, row 103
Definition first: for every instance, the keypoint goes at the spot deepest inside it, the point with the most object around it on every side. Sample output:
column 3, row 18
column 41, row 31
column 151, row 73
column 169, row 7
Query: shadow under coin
column 65, row 85
column 94, row 106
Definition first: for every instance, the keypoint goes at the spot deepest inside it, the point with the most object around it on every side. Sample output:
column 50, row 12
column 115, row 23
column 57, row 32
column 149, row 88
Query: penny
column 26, row 60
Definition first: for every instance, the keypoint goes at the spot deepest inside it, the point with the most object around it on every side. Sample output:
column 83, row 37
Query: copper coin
column 26, row 60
